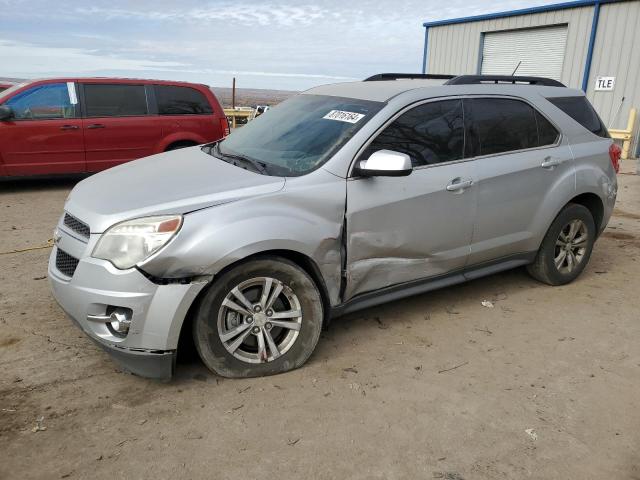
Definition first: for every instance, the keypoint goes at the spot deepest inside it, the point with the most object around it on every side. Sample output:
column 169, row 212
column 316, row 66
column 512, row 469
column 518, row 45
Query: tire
column 179, row 145
column 545, row 268
column 216, row 318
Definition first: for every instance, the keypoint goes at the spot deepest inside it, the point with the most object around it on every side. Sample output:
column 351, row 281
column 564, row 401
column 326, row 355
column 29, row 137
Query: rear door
column 401, row 229
column 520, row 159
column 45, row 134
column 117, row 124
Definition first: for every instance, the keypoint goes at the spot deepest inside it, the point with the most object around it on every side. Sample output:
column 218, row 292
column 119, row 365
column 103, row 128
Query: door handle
column 93, row 126
column 69, row 127
column 458, row 184
column 549, row 162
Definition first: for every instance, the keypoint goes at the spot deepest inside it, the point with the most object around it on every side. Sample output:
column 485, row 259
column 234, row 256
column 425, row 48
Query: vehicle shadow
column 337, row 338
column 35, row 184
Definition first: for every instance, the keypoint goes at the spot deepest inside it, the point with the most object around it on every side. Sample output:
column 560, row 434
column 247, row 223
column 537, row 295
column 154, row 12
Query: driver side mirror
column 385, row 163
column 5, row 112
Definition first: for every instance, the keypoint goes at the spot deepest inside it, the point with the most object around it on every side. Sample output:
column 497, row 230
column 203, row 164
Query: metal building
column 589, row 44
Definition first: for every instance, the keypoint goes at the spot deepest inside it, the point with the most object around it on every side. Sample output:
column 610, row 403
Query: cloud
column 30, row 60
column 263, row 14
column 265, row 44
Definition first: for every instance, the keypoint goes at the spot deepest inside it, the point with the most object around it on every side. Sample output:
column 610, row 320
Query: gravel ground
column 543, row 385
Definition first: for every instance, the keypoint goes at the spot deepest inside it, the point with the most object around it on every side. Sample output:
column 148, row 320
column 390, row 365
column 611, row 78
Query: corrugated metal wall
column 617, row 54
column 456, row 49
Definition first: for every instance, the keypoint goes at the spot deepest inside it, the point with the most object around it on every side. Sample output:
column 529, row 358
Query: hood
column 174, row 182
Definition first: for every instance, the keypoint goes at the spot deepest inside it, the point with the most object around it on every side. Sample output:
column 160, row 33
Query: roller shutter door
column 541, row 51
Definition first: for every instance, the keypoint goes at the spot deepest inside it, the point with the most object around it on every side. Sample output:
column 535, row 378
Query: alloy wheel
column 571, row 246
column 259, row 320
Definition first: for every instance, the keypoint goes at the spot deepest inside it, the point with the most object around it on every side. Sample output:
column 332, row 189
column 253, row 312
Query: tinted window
column 430, row 133
column 114, row 100
column 497, row 125
column 547, row 133
column 181, row 101
column 299, row 134
column 582, row 112
column 43, row 102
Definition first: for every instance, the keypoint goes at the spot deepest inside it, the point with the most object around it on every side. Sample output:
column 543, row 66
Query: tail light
column 224, row 125
column 614, row 155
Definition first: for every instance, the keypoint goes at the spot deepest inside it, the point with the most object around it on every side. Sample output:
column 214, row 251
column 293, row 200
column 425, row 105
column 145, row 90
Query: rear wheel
column 179, row 145
column 566, row 248
column 260, row 318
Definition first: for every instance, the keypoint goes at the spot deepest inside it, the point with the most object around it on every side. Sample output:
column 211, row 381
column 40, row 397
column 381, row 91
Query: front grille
column 65, row 263
column 76, row 225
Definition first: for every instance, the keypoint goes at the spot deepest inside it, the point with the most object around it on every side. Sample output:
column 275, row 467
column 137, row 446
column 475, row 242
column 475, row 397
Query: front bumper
column 158, row 311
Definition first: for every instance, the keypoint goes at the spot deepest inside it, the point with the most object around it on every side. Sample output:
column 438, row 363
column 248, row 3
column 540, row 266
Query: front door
column 117, row 126
column 401, row 229
column 44, row 136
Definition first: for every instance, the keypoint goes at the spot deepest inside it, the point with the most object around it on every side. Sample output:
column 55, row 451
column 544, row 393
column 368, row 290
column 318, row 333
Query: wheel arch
column 594, row 204
column 178, row 137
column 180, row 143
column 301, row 260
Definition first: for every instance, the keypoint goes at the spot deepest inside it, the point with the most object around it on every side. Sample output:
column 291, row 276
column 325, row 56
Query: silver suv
column 340, row 198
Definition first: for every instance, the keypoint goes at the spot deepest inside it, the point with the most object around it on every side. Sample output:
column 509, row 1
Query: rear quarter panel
column 193, row 128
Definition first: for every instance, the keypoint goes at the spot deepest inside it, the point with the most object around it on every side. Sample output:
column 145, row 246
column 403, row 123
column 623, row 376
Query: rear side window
column 430, row 133
column 582, row 112
column 181, row 101
column 115, row 100
column 497, row 125
column 547, row 133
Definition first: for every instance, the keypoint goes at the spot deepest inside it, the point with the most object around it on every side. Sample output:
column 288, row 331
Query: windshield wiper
column 260, row 167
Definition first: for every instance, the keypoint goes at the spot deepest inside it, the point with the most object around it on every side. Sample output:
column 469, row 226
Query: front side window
column 115, row 100
column 174, row 100
column 498, row 125
column 296, row 136
column 430, row 133
column 43, row 102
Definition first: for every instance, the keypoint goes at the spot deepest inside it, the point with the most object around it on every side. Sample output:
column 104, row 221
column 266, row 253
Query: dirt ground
column 544, row 385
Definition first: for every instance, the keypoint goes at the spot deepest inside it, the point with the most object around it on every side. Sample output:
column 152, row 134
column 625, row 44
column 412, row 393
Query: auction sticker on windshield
column 342, row 116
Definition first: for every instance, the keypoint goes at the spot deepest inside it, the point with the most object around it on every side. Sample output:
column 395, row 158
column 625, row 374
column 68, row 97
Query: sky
column 284, row 45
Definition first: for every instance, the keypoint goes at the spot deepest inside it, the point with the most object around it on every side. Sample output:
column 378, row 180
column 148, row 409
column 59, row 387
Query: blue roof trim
column 522, row 11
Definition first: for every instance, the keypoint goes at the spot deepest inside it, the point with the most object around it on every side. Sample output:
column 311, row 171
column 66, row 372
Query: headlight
column 128, row 243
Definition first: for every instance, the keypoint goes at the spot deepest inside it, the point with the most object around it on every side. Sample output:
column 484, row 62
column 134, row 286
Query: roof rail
column 479, row 79
column 411, row 76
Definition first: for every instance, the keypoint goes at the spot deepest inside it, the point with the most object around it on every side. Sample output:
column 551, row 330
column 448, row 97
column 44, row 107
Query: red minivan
column 74, row 125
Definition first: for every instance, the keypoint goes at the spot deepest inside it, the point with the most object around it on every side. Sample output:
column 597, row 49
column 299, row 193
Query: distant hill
column 248, row 97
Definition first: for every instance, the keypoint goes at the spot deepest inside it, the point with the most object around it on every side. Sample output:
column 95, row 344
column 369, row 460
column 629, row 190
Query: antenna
column 517, row 67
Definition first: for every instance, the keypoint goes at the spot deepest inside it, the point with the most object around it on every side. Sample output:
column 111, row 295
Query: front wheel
column 261, row 318
column 566, row 248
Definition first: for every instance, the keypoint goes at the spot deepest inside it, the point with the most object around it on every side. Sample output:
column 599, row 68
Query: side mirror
column 385, row 163
column 5, row 112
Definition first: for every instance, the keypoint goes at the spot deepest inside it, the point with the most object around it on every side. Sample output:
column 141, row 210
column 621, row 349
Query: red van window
column 115, row 100
column 43, row 102
column 174, row 100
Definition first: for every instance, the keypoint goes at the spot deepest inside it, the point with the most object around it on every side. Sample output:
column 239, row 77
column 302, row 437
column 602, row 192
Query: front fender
column 306, row 221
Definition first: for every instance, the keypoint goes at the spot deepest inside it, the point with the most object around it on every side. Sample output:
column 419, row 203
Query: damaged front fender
column 305, row 218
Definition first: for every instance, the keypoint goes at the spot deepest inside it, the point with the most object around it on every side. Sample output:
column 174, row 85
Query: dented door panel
column 407, row 228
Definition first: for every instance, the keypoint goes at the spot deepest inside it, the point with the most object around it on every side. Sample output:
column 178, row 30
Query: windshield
column 298, row 135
